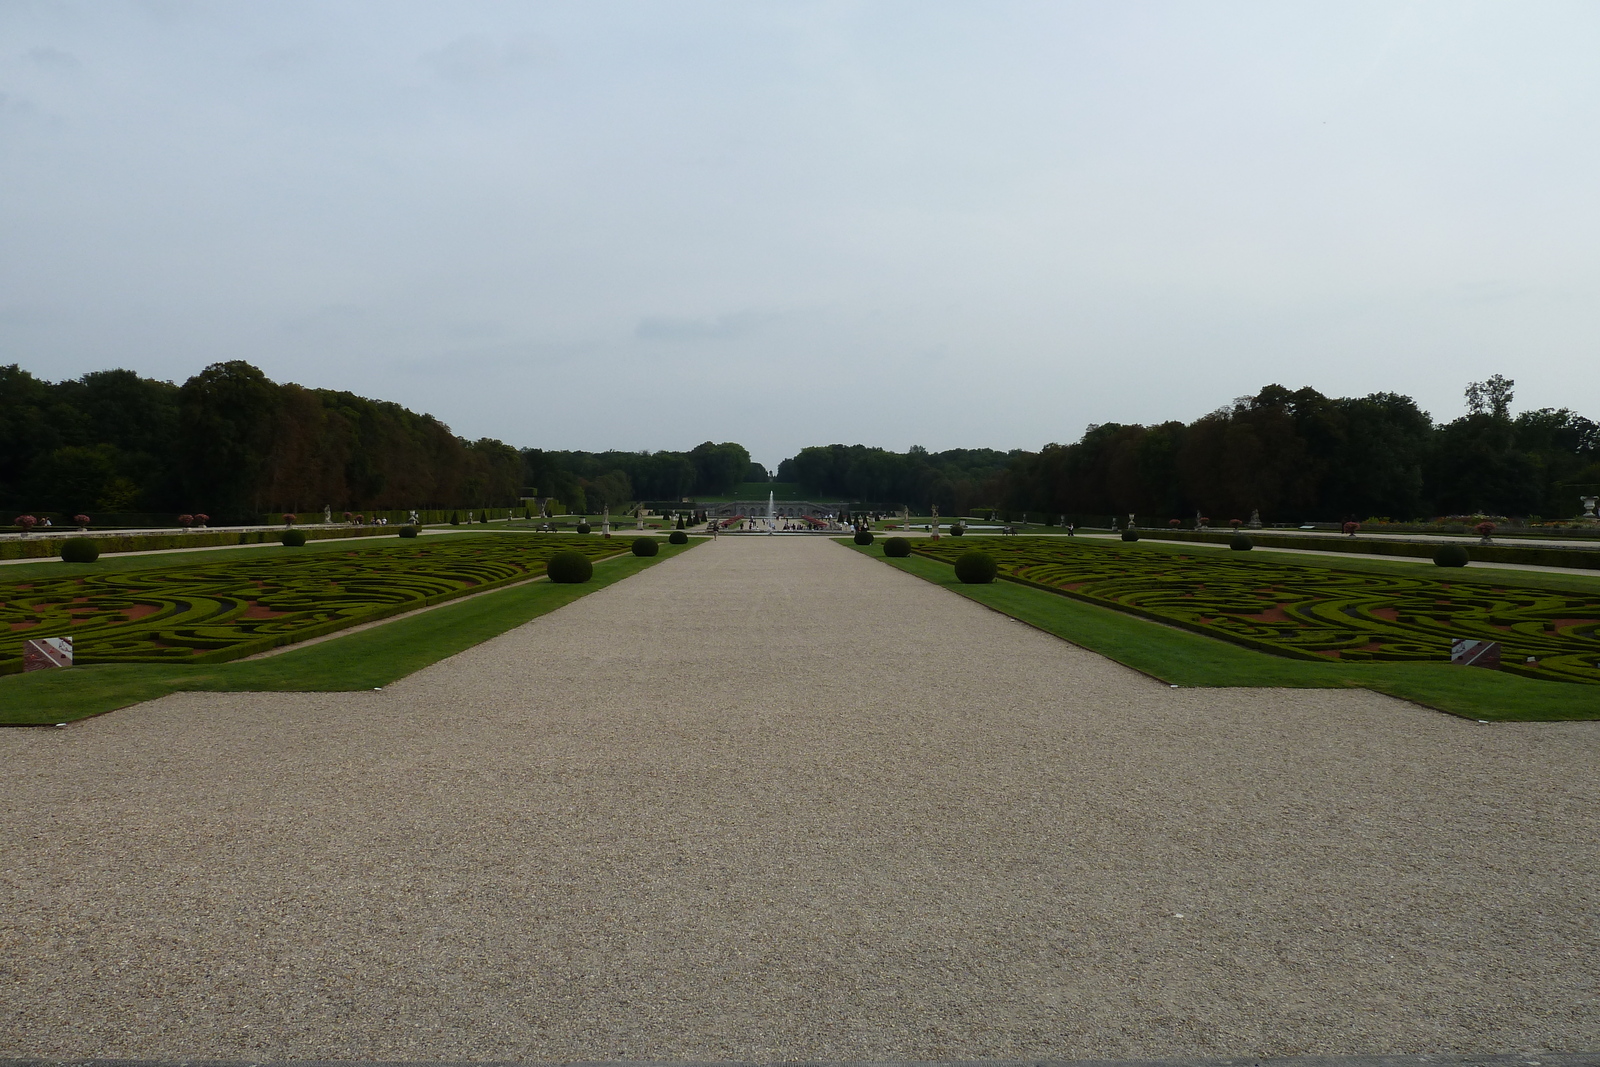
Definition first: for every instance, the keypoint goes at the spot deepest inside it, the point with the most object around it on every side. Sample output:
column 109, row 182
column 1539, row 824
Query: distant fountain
column 772, row 512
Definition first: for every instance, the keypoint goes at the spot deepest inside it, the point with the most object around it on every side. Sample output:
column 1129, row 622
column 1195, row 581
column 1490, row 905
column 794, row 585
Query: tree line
column 1291, row 455
column 588, row 482
column 234, row 444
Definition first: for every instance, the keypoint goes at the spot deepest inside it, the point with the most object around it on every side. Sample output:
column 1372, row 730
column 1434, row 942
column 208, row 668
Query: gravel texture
column 771, row 799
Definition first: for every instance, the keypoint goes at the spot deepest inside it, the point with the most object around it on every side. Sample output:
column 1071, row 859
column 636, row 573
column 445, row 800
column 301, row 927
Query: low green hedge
column 1573, row 558
column 50, row 547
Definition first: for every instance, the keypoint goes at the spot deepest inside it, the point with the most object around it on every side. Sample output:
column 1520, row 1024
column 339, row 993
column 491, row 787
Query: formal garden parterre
column 1310, row 612
column 201, row 613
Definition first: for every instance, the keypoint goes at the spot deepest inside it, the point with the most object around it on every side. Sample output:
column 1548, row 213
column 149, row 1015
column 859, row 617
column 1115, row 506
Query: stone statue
column 1130, row 522
column 935, row 527
column 327, row 513
column 1255, row 519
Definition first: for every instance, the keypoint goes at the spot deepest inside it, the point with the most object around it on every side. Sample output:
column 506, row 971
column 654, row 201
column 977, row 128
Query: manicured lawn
column 1181, row 657
column 364, row 660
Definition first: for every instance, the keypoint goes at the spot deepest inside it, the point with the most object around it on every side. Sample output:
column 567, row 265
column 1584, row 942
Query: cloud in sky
column 1003, row 221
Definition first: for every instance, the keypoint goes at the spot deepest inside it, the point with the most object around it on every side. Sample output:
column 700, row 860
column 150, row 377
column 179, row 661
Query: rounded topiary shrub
column 569, row 567
column 678, row 537
column 408, row 531
column 863, row 537
column 1130, row 535
column 898, row 547
column 976, row 568
column 645, row 546
column 293, row 539
column 1240, row 543
column 583, row 527
column 1450, row 555
column 79, row 550
column 957, row 530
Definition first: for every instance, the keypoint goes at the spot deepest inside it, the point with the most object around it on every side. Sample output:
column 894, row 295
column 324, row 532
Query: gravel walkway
column 771, row 799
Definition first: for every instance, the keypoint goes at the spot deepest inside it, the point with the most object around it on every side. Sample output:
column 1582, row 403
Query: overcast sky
column 643, row 225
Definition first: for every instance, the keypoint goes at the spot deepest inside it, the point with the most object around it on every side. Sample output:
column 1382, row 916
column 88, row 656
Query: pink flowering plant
column 27, row 522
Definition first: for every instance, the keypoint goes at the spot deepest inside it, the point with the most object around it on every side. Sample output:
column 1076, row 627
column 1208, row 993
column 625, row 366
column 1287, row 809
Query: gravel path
column 771, row 799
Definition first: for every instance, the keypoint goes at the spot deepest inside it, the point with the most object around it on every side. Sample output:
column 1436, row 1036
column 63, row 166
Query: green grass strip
column 364, row 660
column 1180, row 657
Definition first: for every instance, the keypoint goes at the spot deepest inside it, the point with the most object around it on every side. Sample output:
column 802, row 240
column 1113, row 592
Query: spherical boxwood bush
column 408, row 531
column 958, row 530
column 1240, row 543
column 898, row 547
column 293, row 539
column 79, row 550
column 976, row 568
column 863, row 537
column 583, row 527
column 678, row 537
column 1450, row 555
column 1130, row 535
column 645, row 546
column 572, row 568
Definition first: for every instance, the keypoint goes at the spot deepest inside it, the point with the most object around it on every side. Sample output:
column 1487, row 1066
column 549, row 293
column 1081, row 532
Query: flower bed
column 211, row 613
column 1311, row 612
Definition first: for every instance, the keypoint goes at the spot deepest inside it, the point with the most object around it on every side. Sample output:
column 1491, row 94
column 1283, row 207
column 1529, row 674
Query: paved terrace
column 771, row 799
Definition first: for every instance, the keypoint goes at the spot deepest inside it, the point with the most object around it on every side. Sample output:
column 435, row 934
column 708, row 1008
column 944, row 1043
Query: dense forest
column 1294, row 455
column 957, row 480
column 234, row 444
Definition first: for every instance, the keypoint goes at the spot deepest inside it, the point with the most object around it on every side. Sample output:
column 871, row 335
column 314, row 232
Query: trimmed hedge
column 863, row 537
column 293, row 539
column 678, row 537
column 897, row 547
column 976, row 568
column 1130, row 535
column 1451, row 556
column 569, row 568
column 1572, row 558
column 1241, row 543
column 79, row 550
column 409, row 531
column 109, row 544
column 645, row 546
column 583, row 527
column 958, row 530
